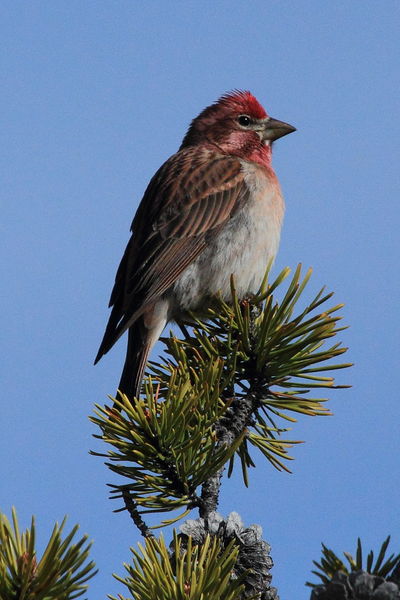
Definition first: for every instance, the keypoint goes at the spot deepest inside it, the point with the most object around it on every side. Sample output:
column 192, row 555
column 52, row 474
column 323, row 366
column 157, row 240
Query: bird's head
column 237, row 124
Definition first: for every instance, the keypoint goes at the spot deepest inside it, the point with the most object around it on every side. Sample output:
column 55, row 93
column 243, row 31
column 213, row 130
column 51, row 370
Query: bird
column 214, row 209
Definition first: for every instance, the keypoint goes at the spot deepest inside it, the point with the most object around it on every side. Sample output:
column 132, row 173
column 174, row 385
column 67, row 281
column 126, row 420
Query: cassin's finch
column 213, row 209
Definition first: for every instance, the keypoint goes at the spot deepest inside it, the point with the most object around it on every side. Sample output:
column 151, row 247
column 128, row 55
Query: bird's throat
column 262, row 155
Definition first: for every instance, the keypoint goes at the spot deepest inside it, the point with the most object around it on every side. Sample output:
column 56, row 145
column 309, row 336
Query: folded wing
column 187, row 201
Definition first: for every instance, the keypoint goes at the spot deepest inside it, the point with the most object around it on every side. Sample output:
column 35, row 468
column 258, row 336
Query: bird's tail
column 139, row 346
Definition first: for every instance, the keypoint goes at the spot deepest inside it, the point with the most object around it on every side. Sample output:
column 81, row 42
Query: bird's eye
column 244, row 120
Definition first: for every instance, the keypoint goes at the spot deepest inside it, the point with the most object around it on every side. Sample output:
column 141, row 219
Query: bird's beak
column 274, row 129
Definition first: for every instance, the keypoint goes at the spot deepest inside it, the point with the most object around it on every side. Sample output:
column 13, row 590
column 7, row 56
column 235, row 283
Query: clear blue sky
column 95, row 96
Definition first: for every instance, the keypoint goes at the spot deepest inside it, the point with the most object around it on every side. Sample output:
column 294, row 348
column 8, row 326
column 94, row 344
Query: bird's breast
column 242, row 247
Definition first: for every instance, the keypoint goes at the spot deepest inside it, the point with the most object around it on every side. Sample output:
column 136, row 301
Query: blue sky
column 95, row 96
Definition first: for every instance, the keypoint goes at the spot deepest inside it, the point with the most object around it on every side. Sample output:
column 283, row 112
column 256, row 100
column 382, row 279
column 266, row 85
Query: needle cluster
column 60, row 573
column 222, row 389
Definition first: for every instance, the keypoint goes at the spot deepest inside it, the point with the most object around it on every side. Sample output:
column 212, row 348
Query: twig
column 236, row 419
column 135, row 515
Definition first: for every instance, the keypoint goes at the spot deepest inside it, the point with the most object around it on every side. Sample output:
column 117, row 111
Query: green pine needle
column 191, row 573
column 268, row 351
column 165, row 444
column 60, row 574
column 330, row 563
column 261, row 350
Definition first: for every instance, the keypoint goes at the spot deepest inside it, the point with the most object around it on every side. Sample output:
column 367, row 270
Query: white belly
column 244, row 247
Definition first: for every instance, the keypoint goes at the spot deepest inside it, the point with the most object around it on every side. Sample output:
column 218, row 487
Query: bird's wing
column 191, row 196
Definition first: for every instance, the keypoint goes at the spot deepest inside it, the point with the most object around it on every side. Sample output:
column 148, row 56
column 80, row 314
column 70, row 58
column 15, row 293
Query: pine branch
column 61, row 572
column 135, row 515
column 185, row 570
column 221, row 389
column 360, row 578
column 230, row 427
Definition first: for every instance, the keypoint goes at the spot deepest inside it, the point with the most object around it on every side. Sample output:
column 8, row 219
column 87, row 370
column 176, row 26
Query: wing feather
column 189, row 198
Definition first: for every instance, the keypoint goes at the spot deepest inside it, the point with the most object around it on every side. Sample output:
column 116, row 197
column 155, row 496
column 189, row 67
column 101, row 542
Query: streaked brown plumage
column 214, row 208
